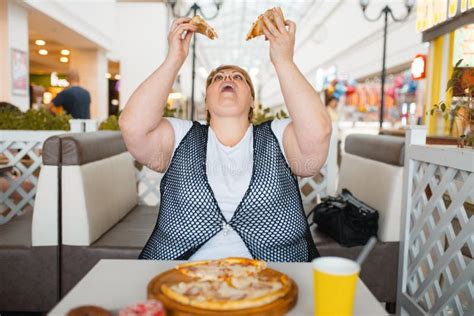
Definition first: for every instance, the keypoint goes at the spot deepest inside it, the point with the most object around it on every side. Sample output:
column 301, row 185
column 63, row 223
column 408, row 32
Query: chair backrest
column 98, row 187
column 44, row 230
column 372, row 169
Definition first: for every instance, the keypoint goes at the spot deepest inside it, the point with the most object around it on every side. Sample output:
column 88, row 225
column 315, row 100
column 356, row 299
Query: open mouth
column 227, row 87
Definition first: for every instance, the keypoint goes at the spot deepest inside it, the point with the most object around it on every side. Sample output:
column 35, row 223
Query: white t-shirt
column 229, row 170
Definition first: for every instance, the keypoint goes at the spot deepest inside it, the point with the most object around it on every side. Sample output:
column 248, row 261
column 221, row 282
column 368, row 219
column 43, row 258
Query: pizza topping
column 222, row 269
column 227, row 284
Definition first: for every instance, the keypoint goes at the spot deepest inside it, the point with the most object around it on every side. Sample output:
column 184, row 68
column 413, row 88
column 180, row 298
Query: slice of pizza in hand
column 257, row 26
column 203, row 27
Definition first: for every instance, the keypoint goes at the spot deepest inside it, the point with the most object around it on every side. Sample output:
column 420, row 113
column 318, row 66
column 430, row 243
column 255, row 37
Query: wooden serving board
column 173, row 308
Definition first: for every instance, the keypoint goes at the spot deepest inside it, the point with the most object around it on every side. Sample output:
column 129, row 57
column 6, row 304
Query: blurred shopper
column 230, row 188
column 331, row 107
column 75, row 100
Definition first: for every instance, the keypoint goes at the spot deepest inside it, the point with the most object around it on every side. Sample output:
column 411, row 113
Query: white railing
column 22, row 151
column 436, row 267
column 148, row 186
column 80, row 125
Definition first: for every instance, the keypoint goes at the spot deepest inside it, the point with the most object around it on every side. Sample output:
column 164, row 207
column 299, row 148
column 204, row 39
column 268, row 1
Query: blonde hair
column 246, row 77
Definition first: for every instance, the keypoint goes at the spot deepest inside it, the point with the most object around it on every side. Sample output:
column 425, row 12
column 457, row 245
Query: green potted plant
column 11, row 118
column 462, row 112
column 261, row 114
column 111, row 123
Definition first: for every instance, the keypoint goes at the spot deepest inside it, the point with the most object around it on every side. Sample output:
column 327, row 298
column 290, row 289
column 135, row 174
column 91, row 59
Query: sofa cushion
column 125, row 240
column 95, row 196
column 45, row 214
column 132, row 231
column 28, row 278
column 382, row 148
column 83, row 148
column 24, row 268
column 379, row 185
column 51, row 155
column 16, row 232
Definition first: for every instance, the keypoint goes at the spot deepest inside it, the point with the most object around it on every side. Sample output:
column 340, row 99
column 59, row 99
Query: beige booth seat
column 100, row 214
column 101, row 218
column 372, row 169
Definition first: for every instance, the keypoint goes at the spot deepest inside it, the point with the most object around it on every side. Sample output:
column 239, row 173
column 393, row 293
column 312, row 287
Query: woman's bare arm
column 149, row 137
column 306, row 138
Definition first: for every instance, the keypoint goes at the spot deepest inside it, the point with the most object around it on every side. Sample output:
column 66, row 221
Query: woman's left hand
column 282, row 40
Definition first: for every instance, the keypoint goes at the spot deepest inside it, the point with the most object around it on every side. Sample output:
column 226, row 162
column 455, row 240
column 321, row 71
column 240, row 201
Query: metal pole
column 193, row 77
column 382, row 100
column 194, row 8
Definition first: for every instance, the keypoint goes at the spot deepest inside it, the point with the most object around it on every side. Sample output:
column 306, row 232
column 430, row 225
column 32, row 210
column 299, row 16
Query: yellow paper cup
column 334, row 281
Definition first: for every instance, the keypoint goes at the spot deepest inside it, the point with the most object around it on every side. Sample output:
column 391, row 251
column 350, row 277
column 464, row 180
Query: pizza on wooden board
column 227, row 284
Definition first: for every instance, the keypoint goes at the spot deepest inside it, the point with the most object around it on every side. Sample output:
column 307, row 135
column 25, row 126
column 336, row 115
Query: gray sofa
column 100, row 218
column 24, row 269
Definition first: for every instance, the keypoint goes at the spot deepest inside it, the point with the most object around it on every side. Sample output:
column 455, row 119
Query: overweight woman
column 230, row 188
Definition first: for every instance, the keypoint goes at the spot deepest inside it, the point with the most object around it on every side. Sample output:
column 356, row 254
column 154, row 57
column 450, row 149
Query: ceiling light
column 65, row 52
column 108, row 75
column 40, row 42
column 43, row 52
column 117, row 77
column 64, row 59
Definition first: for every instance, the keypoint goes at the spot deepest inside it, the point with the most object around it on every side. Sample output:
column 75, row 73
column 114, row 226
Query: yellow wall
column 440, row 68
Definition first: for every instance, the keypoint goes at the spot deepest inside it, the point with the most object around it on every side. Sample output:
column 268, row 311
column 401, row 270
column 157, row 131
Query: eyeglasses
column 220, row 76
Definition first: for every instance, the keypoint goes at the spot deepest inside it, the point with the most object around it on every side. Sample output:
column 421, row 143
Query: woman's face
column 228, row 95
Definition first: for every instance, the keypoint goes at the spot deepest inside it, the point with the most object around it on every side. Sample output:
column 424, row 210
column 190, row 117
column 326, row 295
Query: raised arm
column 149, row 137
column 306, row 138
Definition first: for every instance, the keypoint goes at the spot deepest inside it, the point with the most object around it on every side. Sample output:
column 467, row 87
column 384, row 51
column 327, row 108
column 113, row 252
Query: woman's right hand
column 178, row 47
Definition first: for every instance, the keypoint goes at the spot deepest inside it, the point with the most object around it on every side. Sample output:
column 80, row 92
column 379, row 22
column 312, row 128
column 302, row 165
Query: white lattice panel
column 148, row 186
column 437, row 248
column 22, row 150
column 314, row 188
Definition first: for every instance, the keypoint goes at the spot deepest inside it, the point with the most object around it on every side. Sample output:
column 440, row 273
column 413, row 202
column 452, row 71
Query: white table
column 114, row 284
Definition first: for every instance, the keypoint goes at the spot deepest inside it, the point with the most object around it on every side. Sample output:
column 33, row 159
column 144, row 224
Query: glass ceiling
column 232, row 24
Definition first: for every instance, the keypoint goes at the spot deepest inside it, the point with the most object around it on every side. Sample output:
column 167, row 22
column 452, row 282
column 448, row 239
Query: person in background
column 331, row 107
column 75, row 100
